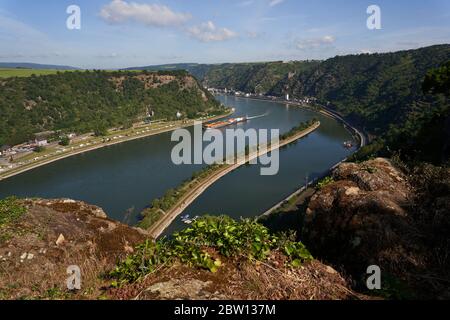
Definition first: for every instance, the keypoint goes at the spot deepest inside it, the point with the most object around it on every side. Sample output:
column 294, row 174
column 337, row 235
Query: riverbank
column 361, row 136
column 358, row 134
column 142, row 132
column 169, row 216
column 299, row 192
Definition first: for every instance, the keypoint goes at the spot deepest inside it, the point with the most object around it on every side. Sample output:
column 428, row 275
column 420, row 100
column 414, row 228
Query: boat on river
column 187, row 220
column 224, row 123
column 348, row 144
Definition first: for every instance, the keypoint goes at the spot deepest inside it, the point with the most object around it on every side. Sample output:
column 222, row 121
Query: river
column 124, row 178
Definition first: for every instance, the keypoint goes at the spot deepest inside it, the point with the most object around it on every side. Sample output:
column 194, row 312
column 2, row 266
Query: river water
column 124, row 178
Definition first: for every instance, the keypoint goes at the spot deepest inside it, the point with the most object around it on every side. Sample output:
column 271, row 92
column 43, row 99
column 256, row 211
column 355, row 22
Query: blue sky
column 121, row 33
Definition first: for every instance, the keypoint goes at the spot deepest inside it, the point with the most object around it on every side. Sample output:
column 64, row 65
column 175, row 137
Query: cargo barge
column 224, row 123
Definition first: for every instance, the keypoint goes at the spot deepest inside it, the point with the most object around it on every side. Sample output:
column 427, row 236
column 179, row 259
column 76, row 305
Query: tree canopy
column 95, row 100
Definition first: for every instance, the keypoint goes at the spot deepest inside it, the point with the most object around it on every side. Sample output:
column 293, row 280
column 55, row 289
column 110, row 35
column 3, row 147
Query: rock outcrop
column 53, row 235
column 361, row 218
column 242, row 280
column 368, row 216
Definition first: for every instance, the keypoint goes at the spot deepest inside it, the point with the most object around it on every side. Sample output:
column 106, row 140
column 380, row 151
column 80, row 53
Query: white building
column 287, row 96
column 41, row 143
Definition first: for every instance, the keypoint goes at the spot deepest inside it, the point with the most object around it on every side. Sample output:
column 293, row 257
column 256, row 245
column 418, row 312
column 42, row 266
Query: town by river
column 124, row 178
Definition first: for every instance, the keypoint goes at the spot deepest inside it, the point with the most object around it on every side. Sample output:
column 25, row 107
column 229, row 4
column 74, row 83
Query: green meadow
column 18, row 72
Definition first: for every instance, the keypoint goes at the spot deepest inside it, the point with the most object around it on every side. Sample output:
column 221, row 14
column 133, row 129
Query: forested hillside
column 92, row 100
column 372, row 90
column 381, row 93
column 256, row 77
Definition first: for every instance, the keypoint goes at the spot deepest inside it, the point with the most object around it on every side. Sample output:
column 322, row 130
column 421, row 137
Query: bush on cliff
column 205, row 243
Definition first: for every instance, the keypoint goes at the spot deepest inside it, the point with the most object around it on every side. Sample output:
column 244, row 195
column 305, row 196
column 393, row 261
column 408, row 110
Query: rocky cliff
column 37, row 247
column 42, row 238
column 374, row 214
column 370, row 213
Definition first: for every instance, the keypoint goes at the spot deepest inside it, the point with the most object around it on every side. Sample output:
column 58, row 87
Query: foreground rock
column 242, row 280
column 52, row 235
column 368, row 216
column 55, row 234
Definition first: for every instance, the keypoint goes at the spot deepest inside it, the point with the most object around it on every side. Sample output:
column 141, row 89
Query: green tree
column 438, row 80
column 65, row 141
column 39, row 149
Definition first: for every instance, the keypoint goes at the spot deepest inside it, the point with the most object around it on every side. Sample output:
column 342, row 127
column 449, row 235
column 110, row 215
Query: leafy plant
column 204, row 243
column 297, row 252
column 39, row 149
column 10, row 210
column 65, row 141
column 370, row 170
column 324, row 182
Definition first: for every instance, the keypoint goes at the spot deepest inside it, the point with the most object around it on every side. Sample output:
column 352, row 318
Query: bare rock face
column 362, row 219
column 53, row 235
column 185, row 289
column 241, row 280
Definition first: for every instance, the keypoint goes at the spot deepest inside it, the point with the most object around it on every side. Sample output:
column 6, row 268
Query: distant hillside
column 256, row 77
column 197, row 70
column 250, row 77
column 167, row 67
column 382, row 93
column 362, row 87
column 26, row 65
column 96, row 100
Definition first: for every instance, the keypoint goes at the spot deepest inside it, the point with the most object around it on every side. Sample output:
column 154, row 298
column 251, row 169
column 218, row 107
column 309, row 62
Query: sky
column 127, row 33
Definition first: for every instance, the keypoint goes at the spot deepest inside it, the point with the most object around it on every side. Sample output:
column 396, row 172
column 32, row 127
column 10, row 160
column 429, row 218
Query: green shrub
column 10, row 210
column 150, row 217
column 65, row 141
column 194, row 246
column 39, row 149
column 324, row 182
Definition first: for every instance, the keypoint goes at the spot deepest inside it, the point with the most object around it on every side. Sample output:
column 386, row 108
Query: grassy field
column 17, row 72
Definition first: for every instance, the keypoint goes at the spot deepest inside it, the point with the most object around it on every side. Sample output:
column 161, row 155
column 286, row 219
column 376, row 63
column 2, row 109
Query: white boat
column 187, row 220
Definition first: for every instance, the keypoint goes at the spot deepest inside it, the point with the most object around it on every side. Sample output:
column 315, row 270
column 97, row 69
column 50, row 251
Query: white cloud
column 315, row 43
column 111, row 55
column 207, row 32
column 274, row 3
column 119, row 11
column 245, row 3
